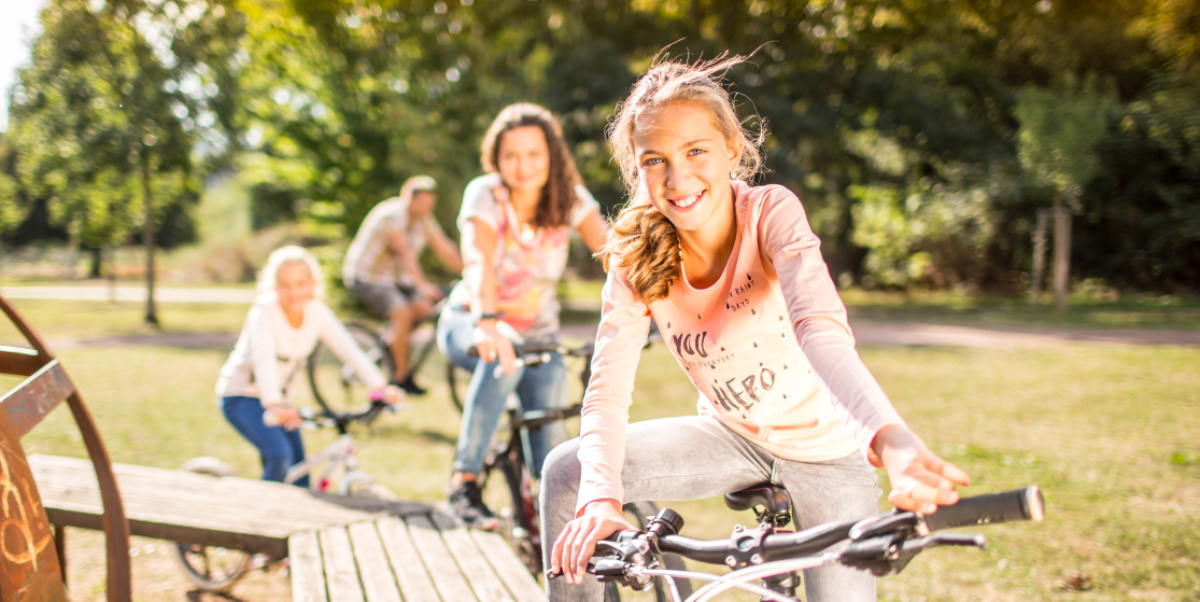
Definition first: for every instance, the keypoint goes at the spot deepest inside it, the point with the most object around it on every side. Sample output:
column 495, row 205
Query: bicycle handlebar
column 532, row 354
column 882, row 544
column 1006, row 506
column 317, row 418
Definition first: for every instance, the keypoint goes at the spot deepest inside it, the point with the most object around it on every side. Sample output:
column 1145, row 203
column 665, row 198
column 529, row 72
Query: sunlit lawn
column 1109, row 433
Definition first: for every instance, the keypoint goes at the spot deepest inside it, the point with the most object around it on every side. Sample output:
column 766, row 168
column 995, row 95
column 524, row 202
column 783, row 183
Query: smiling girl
column 289, row 316
column 733, row 276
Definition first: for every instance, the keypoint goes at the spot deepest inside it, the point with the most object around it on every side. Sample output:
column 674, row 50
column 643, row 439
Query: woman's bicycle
column 772, row 557
column 334, row 469
column 508, row 463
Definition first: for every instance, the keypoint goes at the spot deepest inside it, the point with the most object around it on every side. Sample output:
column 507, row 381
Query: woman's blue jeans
column 538, row 388
column 278, row 447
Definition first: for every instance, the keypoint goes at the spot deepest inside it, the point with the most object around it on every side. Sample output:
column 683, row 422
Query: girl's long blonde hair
column 642, row 240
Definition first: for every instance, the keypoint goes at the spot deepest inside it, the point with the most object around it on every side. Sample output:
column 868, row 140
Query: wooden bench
column 341, row 548
column 417, row 557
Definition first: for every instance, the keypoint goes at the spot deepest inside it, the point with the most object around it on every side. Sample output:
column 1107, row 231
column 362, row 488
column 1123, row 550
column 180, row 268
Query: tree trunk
column 148, row 238
column 1062, row 255
column 112, row 274
column 1039, row 254
column 97, row 261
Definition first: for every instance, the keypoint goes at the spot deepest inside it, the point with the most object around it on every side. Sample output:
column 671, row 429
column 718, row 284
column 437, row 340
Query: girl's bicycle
column 334, row 469
column 508, row 464
column 772, row 557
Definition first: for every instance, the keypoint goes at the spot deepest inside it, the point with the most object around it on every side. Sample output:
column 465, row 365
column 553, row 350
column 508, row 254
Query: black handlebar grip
column 1018, row 504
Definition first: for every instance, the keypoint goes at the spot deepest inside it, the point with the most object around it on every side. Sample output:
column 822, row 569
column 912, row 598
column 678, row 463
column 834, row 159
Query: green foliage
column 963, row 114
column 96, row 121
column 1059, row 133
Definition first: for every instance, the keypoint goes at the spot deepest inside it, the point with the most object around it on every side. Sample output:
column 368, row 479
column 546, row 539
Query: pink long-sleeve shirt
column 767, row 346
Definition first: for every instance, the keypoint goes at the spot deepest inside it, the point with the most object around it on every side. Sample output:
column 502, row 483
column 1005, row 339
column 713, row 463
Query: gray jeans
column 695, row 457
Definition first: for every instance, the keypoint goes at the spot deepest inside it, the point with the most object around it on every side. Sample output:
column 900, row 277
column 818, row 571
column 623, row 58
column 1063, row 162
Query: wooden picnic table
column 341, row 548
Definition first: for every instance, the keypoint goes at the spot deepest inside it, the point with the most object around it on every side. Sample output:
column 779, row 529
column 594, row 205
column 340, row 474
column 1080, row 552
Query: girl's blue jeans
column 278, row 447
column 538, row 388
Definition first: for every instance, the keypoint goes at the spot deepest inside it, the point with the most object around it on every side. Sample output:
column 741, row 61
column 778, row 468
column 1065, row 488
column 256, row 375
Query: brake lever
column 971, row 540
column 889, row 554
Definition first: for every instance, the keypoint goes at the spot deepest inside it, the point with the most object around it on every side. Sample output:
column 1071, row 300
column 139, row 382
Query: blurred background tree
column 896, row 122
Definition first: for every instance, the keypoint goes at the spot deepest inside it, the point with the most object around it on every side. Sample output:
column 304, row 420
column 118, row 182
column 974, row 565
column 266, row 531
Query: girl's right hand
column 493, row 346
column 285, row 416
column 575, row 546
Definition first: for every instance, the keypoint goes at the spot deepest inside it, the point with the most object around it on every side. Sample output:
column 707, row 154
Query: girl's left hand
column 577, row 542
column 392, row 395
column 921, row 481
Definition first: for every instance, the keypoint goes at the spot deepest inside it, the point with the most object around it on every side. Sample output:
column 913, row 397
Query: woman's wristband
column 487, row 316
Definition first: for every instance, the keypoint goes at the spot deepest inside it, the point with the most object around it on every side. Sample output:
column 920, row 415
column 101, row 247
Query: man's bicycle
column 336, row 386
column 334, row 469
column 508, row 469
column 766, row 560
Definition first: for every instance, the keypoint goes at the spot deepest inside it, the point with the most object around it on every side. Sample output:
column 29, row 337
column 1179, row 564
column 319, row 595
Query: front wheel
column 639, row 513
column 335, row 385
column 519, row 512
column 211, row 568
column 359, row 484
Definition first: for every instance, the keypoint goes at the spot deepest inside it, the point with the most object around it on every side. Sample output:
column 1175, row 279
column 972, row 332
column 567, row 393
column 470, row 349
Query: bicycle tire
column 641, row 512
column 334, row 384
column 421, row 343
column 519, row 524
column 211, row 568
column 359, row 484
column 457, row 381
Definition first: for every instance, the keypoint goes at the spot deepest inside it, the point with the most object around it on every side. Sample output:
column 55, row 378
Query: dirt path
column 867, row 332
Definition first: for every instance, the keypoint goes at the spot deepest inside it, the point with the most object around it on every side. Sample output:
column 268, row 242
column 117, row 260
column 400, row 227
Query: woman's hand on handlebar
column 432, row 292
column 577, row 542
column 493, row 346
column 285, row 416
column 921, row 481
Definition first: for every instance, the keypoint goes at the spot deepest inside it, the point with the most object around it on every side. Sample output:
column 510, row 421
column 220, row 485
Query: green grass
column 54, row 319
column 1083, row 310
column 1109, row 433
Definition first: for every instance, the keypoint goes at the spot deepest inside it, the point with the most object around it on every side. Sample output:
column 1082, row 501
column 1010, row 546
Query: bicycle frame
column 338, row 461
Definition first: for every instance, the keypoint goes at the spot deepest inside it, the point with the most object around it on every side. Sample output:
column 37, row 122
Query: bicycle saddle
column 775, row 502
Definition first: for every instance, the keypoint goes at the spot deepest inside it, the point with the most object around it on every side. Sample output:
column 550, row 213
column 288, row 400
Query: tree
column 1057, row 141
column 103, row 118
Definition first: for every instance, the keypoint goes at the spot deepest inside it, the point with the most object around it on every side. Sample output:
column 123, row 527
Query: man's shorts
column 383, row 299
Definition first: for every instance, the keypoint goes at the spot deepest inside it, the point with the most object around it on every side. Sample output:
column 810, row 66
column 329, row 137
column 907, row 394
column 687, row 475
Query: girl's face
column 524, row 159
column 294, row 285
column 421, row 204
column 683, row 163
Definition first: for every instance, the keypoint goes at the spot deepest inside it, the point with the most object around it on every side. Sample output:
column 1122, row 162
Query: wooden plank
column 447, row 578
column 308, row 575
column 341, row 573
column 407, row 565
column 373, row 569
column 176, row 505
column 515, row 575
column 29, row 403
column 20, row 361
column 478, row 571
